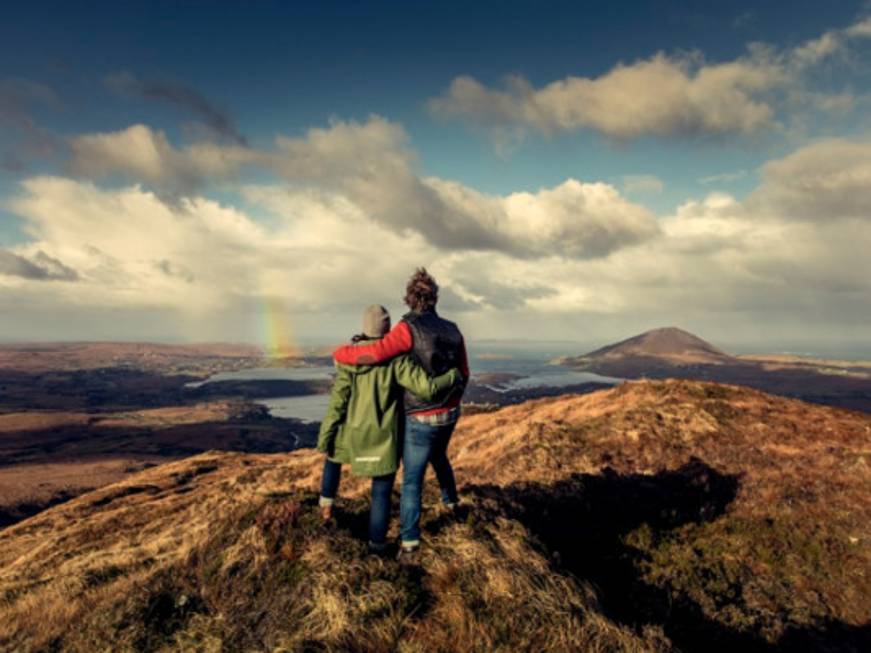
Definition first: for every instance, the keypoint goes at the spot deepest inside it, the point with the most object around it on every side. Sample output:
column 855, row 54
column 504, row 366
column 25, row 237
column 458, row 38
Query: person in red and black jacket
column 437, row 345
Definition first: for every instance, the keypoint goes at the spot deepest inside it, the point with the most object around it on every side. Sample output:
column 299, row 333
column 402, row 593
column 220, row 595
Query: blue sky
column 236, row 75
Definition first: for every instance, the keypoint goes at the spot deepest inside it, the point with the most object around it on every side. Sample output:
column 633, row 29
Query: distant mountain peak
column 670, row 344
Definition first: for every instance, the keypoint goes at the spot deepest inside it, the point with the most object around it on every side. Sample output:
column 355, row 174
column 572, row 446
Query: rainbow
column 278, row 336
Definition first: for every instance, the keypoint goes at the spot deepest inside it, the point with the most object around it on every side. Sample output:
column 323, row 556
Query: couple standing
column 396, row 391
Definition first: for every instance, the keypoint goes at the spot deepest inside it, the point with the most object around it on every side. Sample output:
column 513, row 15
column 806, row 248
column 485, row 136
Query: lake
column 525, row 367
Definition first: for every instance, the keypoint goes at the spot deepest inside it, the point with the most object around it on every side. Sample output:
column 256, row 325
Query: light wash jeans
column 423, row 444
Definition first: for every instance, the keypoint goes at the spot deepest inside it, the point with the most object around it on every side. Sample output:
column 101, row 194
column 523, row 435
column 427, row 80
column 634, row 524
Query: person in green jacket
column 363, row 421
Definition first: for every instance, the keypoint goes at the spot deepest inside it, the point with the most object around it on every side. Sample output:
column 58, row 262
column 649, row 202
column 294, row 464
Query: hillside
column 653, row 516
column 674, row 353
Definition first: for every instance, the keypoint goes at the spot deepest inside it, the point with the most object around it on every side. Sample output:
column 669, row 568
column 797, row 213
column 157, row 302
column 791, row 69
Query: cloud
column 573, row 219
column 827, row 180
column 666, row 95
column 861, row 29
column 723, row 177
column 40, row 267
column 175, row 270
column 17, row 98
column 18, row 101
column 815, row 50
column 642, row 184
column 371, row 166
column 131, row 249
column 483, row 291
column 762, row 268
column 829, row 44
column 141, row 154
column 663, row 95
column 182, row 97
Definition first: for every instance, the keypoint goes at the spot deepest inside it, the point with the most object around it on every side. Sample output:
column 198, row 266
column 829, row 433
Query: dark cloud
column 41, row 267
column 182, row 97
column 18, row 101
column 17, row 98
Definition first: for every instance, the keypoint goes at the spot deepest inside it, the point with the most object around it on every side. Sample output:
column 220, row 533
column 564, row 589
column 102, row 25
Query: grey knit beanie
column 376, row 321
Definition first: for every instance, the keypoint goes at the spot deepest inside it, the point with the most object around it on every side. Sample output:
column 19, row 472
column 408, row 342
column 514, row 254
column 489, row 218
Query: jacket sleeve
column 398, row 341
column 336, row 411
column 464, row 361
column 414, row 378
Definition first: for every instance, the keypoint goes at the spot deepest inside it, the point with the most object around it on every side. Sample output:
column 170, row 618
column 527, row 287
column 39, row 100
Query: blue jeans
column 423, row 443
column 379, row 512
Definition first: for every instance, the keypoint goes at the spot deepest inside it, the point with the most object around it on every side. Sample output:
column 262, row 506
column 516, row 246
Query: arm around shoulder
column 398, row 341
column 414, row 378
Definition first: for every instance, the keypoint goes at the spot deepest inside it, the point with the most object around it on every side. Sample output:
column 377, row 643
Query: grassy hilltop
column 655, row 516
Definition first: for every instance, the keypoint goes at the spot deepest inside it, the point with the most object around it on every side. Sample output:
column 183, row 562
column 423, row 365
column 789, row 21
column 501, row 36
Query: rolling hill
column 655, row 516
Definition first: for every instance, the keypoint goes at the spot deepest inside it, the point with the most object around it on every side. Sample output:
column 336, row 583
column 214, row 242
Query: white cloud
column 353, row 218
column 824, row 181
column 861, row 29
column 815, row 50
column 371, row 166
column 122, row 243
column 664, row 95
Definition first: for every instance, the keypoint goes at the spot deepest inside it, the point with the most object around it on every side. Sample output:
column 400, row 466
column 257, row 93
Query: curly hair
column 422, row 291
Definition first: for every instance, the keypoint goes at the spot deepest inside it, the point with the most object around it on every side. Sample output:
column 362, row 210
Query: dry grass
column 649, row 517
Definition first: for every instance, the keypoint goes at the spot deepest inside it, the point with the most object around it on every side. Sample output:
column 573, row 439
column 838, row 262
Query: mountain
column 668, row 344
column 674, row 353
column 654, row 516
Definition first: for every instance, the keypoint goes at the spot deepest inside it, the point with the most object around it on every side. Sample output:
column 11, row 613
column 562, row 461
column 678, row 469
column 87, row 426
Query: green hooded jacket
column 363, row 419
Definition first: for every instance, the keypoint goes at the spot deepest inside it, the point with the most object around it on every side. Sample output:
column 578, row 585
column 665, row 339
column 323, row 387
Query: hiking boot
column 379, row 550
column 409, row 555
column 456, row 511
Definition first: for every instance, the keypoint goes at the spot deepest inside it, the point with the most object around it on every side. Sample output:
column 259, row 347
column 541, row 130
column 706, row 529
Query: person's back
column 438, row 347
column 363, row 422
column 434, row 343
column 369, row 429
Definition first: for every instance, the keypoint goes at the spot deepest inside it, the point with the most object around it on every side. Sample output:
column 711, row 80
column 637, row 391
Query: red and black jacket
column 435, row 343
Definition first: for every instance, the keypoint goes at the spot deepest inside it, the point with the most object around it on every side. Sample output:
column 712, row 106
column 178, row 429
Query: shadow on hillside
column 581, row 524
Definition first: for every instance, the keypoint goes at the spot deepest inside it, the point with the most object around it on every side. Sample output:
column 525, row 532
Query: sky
column 201, row 171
